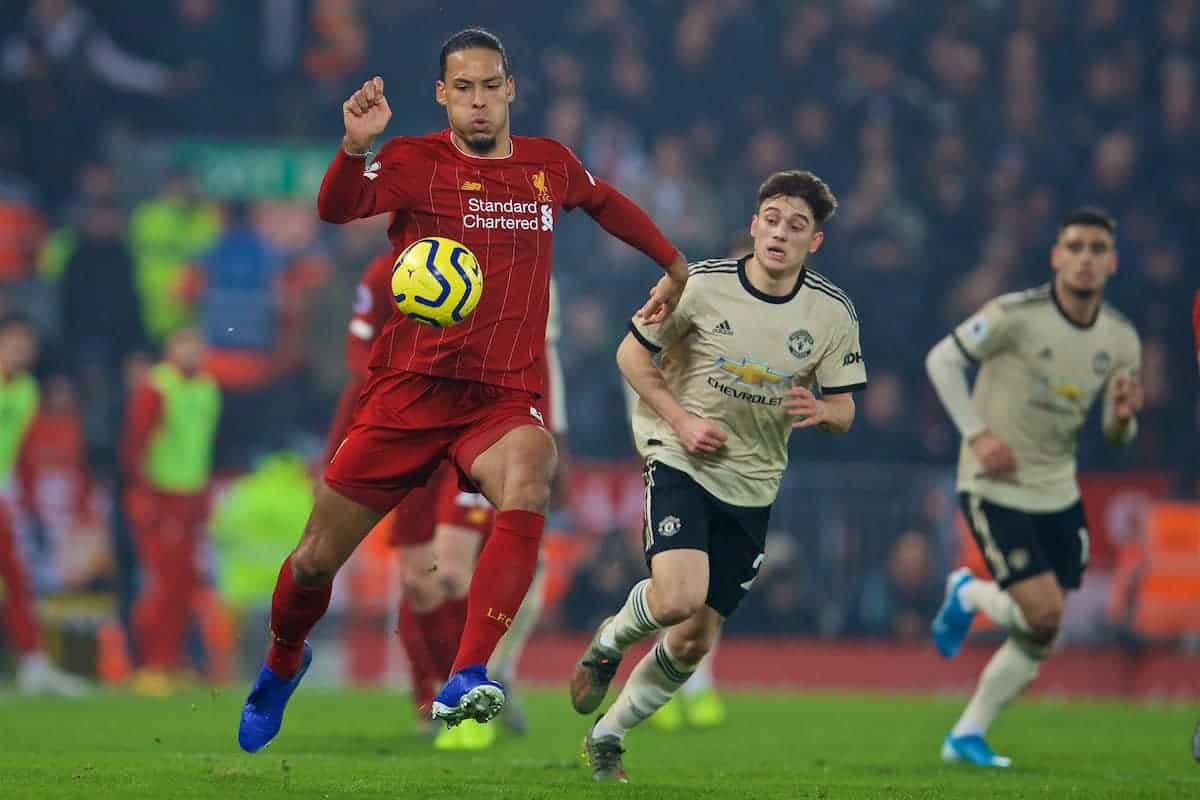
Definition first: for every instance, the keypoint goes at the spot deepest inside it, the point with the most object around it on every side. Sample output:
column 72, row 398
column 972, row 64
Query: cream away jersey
column 1039, row 375
column 729, row 353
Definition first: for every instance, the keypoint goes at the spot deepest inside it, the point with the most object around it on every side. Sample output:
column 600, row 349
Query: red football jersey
column 504, row 210
column 373, row 306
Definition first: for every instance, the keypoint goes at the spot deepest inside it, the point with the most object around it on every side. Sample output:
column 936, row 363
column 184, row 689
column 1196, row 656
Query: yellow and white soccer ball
column 437, row 281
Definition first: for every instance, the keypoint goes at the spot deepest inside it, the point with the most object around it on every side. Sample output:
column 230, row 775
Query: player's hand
column 805, row 409
column 663, row 299
column 700, row 435
column 1128, row 397
column 365, row 115
column 996, row 457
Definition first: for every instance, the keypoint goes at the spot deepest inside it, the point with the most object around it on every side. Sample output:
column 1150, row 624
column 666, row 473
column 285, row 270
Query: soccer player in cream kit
column 1044, row 356
column 757, row 347
column 471, row 393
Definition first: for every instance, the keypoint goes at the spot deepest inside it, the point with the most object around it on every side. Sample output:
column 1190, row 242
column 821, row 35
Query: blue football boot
column 262, row 715
column 953, row 620
column 469, row 694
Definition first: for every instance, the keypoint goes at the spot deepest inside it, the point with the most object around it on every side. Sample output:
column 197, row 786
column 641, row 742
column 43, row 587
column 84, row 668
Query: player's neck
column 777, row 285
column 503, row 147
column 1079, row 309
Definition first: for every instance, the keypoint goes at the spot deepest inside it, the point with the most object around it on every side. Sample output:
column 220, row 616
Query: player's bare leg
column 674, row 592
column 515, row 475
column 334, row 529
column 653, row 682
column 421, row 594
column 1031, row 611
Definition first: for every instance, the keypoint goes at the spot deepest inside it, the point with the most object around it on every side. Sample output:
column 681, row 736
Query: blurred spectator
column 102, row 328
column 166, row 457
column 899, row 599
column 167, row 231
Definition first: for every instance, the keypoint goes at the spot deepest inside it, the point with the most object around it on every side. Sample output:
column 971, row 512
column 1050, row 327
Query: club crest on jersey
column 669, row 526
column 1101, row 363
column 538, row 179
column 800, row 344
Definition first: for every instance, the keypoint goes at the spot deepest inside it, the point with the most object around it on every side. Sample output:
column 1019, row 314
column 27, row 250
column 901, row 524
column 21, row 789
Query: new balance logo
column 472, row 186
column 372, row 171
column 724, row 328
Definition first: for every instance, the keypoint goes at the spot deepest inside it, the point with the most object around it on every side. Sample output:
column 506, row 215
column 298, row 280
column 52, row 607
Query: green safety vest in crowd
column 18, row 404
column 164, row 236
column 179, row 459
column 256, row 524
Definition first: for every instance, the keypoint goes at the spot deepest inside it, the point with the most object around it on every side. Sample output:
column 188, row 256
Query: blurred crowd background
column 158, row 168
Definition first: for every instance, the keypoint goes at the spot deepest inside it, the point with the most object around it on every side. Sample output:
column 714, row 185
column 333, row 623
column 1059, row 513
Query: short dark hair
column 469, row 38
column 1091, row 216
column 803, row 184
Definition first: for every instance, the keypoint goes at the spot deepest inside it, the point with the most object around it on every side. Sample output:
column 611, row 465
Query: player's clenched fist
column 365, row 114
column 994, row 454
column 698, row 435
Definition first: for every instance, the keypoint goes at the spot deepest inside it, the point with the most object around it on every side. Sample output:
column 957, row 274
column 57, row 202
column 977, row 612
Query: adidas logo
column 723, row 328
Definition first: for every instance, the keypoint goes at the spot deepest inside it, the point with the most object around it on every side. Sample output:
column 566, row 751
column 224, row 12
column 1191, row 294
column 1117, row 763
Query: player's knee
column 527, row 493
column 672, row 604
column 1044, row 623
column 453, row 580
column 421, row 588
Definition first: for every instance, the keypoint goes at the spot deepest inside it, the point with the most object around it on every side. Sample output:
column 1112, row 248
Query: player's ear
column 817, row 239
column 439, row 92
column 510, row 85
column 753, row 225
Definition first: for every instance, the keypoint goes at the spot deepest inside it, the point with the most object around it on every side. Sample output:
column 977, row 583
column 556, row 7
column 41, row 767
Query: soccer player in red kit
column 471, row 393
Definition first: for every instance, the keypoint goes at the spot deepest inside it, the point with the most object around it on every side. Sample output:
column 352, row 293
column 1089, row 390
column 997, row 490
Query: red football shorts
column 406, row 423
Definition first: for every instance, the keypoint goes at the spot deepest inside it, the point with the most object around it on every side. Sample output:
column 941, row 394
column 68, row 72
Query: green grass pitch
column 338, row 744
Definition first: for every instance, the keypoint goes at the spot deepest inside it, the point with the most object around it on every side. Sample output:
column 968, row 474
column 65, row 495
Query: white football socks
column 633, row 622
column 997, row 604
column 655, row 678
column 1009, row 671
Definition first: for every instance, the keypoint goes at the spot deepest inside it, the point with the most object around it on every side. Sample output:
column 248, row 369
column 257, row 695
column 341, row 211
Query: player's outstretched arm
column 637, row 365
column 347, row 192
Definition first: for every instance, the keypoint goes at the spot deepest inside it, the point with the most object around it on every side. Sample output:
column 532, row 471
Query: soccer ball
column 437, row 281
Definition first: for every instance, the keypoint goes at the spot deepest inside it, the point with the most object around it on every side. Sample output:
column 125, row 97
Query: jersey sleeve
column 842, row 368
column 677, row 325
column 372, row 308
column 986, row 333
column 355, row 186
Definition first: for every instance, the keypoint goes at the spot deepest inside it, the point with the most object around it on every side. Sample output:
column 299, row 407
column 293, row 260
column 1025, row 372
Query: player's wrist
column 356, row 148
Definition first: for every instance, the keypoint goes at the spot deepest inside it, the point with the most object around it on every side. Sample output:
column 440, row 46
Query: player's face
column 18, row 348
column 476, row 93
column 1084, row 258
column 186, row 350
column 784, row 232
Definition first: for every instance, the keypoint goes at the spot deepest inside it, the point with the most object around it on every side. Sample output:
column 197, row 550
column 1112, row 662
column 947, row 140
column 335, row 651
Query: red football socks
column 416, row 629
column 295, row 610
column 18, row 607
column 502, row 576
